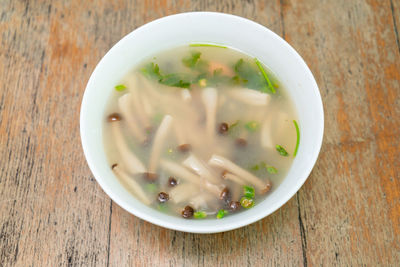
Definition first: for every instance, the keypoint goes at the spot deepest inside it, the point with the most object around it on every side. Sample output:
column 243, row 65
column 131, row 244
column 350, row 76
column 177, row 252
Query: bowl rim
column 188, row 228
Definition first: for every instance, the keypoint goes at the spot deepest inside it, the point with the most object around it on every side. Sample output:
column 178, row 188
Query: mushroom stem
column 128, row 158
column 183, row 192
column 179, row 134
column 147, row 107
column 210, row 98
column 182, row 173
column 179, row 171
column 192, row 162
column 232, row 167
column 266, row 129
column 233, row 178
column 127, row 180
column 186, row 95
column 138, row 107
column 158, row 94
column 250, row 97
column 202, row 201
column 124, row 104
column 159, row 139
column 278, row 129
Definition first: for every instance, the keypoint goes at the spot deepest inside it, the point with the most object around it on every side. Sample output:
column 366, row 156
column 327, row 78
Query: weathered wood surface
column 52, row 211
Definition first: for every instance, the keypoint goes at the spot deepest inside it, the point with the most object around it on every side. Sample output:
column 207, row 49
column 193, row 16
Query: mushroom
column 129, row 160
column 210, row 97
column 250, row 97
column 138, row 107
column 202, row 201
column 131, row 184
column 234, row 178
column 192, row 162
column 124, row 104
column 228, row 165
column 159, row 139
column 183, row 192
column 278, row 129
column 184, row 174
column 186, row 95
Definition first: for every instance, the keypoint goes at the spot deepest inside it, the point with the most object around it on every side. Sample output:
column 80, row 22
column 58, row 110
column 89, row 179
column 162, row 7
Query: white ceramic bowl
column 245, row 35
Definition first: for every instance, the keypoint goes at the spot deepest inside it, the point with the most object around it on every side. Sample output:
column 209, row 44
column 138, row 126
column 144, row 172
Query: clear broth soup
column 200, row 131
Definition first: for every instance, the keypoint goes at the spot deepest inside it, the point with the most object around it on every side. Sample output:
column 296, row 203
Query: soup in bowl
column 203, row 132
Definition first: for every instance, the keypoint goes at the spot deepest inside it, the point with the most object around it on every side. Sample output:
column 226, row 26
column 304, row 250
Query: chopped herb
column 271, row 169
column 270, row 86
column 221, row 213
column 298, row 138
column 194, row 62
column 120, row 87
column 248, row 75
column 238, row 80
column 200, row 215
column 207, row 45
column 191, row 61
column 152, row 71
column 248, row 191
column 282, row 151
column 252, row 126
column 234, row 130
column 262, row 164
column 246, row 202
column 152, row 188
column 255, row 167
column 217, row 77
column 234, row 124
column 176, row 80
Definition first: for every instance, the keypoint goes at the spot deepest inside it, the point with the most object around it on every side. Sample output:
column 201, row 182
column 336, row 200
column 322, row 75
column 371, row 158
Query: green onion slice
column 281, row 151
column 298, row 138
column 221, row 213
column 207, row 45
column 247, row 202
column 200, row 215
column 120, row 87
column 248, row 191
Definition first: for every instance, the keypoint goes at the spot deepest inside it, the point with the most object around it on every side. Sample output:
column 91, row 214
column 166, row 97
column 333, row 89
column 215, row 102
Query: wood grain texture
column 52, row 211
column 351, row 48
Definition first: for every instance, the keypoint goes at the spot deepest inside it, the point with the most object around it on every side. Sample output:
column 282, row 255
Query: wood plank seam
column 302, row 233
column 301, row 225
column 281, row 18
column 394, row 25
column 109, row 234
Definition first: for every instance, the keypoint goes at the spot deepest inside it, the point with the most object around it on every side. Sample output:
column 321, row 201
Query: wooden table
column 53, row 212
